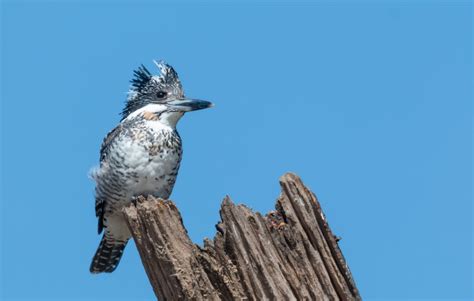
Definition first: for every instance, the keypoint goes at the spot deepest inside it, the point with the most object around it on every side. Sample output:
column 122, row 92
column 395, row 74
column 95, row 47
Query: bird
column 140, row 156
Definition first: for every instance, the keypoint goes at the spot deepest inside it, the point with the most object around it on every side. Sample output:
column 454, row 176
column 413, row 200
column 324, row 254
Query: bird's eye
column 161, row 94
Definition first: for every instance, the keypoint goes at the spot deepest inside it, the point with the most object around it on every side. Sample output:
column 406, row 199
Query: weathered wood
column 289, row 254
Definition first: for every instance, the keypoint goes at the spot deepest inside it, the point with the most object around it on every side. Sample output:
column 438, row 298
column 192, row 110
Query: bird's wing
column 104, row 148
column 104, row 151
column 99, row 212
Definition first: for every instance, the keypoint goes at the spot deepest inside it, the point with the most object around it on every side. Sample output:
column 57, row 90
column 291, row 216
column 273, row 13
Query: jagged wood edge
column 211, row 273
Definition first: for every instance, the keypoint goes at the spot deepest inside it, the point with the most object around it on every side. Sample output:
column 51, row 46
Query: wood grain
column 288, row 254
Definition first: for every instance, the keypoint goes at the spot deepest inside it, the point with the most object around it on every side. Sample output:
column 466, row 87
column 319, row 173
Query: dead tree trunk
column 288, row 254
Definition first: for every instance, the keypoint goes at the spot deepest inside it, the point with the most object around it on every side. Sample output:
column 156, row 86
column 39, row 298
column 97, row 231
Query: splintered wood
column 289, row 254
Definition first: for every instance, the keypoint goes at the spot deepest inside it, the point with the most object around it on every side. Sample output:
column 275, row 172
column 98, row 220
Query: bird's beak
column 187, row 105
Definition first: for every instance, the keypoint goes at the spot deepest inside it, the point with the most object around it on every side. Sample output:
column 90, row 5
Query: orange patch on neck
column 149, row 116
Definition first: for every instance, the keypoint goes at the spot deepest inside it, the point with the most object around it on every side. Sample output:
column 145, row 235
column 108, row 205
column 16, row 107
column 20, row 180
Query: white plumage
column 141, row 156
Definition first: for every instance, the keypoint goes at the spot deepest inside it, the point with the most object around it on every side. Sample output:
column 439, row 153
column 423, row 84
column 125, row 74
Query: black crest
column 144, row 86
column 141, row 79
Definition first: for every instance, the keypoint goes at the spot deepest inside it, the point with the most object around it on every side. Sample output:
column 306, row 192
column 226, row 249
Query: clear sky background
column 369, row 102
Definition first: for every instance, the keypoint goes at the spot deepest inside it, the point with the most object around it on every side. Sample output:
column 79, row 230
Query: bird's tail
column 107, row 256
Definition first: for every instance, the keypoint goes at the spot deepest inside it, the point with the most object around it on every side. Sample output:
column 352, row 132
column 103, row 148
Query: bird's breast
column 151, row 161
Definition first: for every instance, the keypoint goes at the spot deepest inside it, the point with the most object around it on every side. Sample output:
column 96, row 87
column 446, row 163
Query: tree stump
column 288, row 254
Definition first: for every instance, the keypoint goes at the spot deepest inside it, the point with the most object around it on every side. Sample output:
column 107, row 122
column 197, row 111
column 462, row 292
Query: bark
column 288, row 254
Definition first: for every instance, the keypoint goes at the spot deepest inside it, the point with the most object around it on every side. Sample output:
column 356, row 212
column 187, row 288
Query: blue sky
column 369, row 102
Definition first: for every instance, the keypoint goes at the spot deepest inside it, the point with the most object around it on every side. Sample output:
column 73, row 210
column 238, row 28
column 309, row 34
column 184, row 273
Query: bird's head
column 161, row 95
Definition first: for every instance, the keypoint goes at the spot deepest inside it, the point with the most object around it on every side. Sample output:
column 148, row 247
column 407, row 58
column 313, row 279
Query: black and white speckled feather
column 145, row 86
column 140, row 156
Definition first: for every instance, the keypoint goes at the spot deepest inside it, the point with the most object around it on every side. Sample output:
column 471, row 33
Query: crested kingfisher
column 141, row 156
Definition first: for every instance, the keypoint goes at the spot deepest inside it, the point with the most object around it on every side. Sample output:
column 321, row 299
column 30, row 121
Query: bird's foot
column 135, row 201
